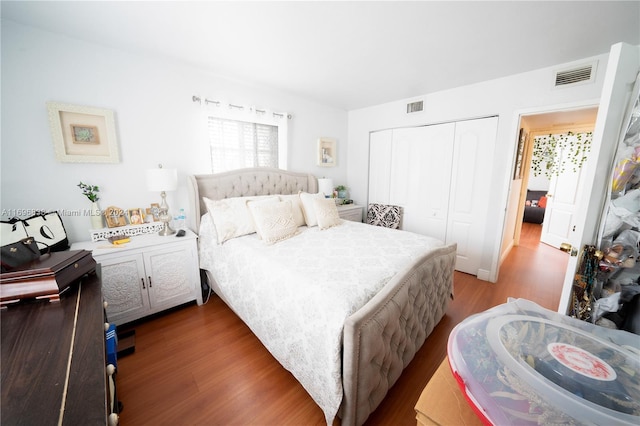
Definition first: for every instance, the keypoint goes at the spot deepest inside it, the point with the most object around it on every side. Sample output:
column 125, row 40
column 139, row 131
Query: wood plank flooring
column 200, row 365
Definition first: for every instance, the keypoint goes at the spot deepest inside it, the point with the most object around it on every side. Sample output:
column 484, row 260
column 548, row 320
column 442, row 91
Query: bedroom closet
column 441, row 176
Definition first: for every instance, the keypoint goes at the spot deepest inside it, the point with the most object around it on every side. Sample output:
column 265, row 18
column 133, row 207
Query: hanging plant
column 556, row 154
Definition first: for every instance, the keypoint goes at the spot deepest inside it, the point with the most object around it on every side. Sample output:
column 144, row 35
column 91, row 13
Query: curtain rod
column 206, row 101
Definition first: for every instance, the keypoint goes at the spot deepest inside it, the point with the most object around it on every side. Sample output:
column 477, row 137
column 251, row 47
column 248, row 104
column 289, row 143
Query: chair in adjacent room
column 384, row 215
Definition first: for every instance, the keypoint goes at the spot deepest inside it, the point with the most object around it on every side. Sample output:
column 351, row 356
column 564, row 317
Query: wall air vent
column 417, row 106
column 582, row 74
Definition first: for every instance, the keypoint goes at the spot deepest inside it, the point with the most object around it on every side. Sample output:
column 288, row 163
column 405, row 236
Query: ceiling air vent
column 581, row 74
column 417, row 106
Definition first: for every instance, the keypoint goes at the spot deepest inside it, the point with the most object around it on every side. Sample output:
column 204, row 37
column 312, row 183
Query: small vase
column 96, row 216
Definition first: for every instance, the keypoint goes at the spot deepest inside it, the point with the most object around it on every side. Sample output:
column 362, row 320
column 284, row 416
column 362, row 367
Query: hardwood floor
column 200, row 365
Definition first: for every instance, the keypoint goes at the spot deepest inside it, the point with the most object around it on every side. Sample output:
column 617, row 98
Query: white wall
column 156, row 122
column 506, row 97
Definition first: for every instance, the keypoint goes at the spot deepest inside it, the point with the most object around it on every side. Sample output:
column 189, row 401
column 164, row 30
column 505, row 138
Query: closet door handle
column 142, row 279
column 149, row 281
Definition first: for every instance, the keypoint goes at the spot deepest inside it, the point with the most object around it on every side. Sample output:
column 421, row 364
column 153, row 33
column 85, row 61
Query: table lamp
column 325, row 185
column 163, row 180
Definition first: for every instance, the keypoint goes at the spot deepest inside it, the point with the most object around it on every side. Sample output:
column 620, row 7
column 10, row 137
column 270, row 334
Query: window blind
column 238, row 144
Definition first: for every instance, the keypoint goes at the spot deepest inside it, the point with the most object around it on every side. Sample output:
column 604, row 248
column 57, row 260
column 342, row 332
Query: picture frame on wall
column 518, row 171
column 326, row 152
column 83, row 134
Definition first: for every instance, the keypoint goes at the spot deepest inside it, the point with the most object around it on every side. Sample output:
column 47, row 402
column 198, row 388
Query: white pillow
column 326, row 213
column 274, row 221
column 296, row 207
column 231, row 216
column 307, row 207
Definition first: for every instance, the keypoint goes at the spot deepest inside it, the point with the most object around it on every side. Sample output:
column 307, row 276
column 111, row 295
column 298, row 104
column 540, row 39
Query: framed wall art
column 83, row 134
column 518, row 171
column 326, row 152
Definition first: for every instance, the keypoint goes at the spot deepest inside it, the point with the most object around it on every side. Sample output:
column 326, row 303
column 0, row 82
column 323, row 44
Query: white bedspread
column 295, row 295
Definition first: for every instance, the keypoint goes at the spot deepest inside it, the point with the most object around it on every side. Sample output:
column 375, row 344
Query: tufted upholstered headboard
column 244, row 183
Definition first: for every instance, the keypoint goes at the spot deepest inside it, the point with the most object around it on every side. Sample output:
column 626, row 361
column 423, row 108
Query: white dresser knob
column 106, row 326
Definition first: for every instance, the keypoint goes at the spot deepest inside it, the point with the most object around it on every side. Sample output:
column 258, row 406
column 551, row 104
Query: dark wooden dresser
column 53, row 360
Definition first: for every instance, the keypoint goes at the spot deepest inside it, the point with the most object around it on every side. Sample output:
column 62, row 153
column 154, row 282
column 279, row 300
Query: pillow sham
column 274, row 221
column 296, row 208
column 231, row 216
column 326, row 213
column 307, row 207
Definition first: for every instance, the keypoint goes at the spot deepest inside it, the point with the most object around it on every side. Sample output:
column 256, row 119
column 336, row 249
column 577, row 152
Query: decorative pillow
column 231, row 216
column 307, row 207
column 326, row 212
column 384, row 215
column 542, row 202
column 296, row 207
column 274, row 221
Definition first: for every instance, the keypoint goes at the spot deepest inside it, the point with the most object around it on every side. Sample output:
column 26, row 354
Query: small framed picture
column 153, row 212
column 114, row 217
column 326, row 152
column 136, row 217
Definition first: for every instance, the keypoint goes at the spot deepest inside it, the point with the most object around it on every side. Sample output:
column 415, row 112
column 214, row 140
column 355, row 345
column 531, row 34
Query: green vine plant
column 554, row 155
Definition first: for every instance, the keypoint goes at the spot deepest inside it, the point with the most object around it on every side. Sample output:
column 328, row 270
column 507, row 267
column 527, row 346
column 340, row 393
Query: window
column 238, row 139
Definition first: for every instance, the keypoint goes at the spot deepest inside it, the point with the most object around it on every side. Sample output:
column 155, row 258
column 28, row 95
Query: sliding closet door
column 380, row 166
column 420, row 177
column 470, row 188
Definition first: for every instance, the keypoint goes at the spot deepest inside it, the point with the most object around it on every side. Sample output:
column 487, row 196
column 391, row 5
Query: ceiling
column 347, row 55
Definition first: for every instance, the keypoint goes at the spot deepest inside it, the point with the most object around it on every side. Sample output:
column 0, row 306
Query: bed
column 352, row 303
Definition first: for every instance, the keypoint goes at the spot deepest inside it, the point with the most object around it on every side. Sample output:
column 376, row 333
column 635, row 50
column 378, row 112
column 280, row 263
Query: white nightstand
column 149, row 274
column 351, row 212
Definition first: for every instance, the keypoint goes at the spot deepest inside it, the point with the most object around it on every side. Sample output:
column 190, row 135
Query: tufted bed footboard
column 382, row 337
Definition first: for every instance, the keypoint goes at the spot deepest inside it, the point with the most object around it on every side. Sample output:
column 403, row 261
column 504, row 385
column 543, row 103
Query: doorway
column 542, row 124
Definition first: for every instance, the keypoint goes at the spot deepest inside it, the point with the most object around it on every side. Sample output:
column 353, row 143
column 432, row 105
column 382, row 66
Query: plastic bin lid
column 519, row 363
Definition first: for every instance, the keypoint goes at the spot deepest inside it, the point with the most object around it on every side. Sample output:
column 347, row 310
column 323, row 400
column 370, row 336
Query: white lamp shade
column 162, row 179
column 325, row 185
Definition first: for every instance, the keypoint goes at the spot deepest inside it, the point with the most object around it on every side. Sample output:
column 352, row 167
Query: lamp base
column 166, row 231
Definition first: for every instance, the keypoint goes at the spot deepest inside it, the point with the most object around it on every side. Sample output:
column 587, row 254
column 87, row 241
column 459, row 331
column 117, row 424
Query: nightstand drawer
column 351, row 212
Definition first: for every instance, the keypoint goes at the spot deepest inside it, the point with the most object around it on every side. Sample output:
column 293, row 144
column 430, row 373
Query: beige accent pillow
column 231, row 216
column 274, row 221
column 326, row 213
column 307, row 207
column 296, row 208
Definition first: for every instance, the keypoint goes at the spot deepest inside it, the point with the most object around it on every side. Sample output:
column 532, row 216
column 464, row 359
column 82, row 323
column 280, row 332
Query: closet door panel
column 380, row 166
column 470, row 189
column 420, row 177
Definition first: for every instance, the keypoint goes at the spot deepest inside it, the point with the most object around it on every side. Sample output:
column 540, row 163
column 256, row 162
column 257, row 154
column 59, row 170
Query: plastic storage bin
column 519, row 363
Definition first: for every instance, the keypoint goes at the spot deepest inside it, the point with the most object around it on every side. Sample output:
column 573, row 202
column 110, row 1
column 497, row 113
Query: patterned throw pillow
column 384, row 215
column 231, row 216
column 326, row 212
column 274, row 221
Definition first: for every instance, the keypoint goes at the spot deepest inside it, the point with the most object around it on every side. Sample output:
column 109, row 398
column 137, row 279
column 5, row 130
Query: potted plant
column 91, row 192
column 342, row 191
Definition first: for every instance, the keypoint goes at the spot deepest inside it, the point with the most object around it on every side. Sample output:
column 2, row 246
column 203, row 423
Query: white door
column 470, row 188
column 421, row 176
column 622, row 69
column 380, row 166
column 561, row 206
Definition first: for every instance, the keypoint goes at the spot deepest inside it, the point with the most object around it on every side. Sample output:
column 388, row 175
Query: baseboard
column 484, row 275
